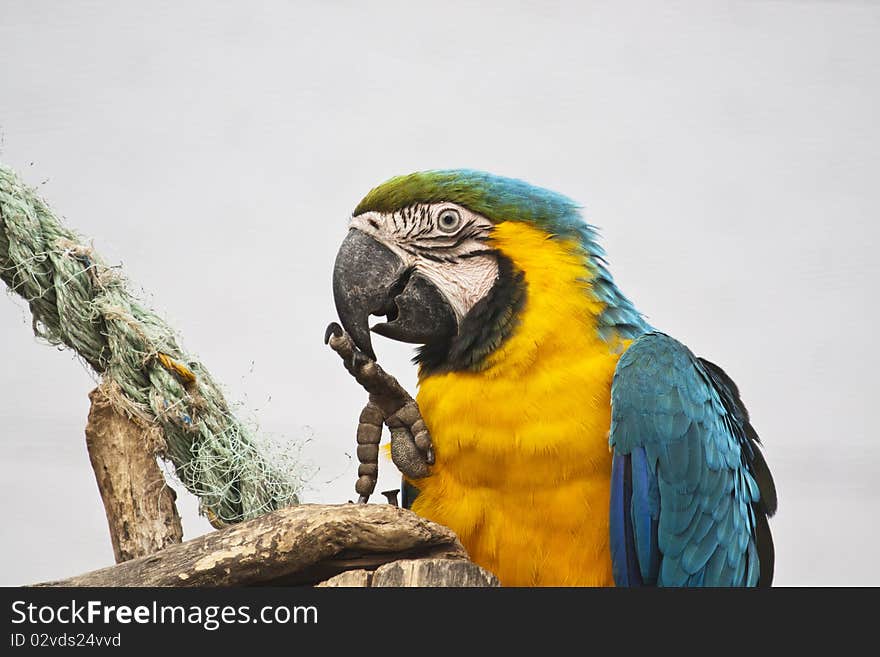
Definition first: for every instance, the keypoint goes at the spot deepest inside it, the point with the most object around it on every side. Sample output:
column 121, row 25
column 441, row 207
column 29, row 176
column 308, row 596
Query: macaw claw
column 411, row 448
column 333, row 330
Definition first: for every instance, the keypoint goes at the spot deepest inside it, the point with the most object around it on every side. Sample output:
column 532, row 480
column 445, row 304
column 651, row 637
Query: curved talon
column 333, row 330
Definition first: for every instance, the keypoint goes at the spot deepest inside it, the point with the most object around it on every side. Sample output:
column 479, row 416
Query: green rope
column 78, row 301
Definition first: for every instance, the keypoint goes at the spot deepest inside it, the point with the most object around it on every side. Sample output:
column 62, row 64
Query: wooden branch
column 302, row 544
column 140, row 508
column 417, row 572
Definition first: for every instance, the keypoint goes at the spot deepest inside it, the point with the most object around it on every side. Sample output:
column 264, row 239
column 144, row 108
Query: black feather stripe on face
column 468, row 231
column 485, row 327
column 415, row 229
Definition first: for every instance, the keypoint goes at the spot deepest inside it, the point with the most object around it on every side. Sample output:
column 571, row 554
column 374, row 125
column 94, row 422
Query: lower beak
column 370, row 279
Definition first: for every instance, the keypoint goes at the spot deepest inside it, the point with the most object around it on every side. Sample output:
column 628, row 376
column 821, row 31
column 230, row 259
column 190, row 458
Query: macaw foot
column 411, row 448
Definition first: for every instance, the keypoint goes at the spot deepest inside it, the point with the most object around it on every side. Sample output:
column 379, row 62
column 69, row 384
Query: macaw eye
column 449, row 220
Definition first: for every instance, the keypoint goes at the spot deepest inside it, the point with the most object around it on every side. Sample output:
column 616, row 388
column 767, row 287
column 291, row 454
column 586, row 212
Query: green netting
column 78, row 301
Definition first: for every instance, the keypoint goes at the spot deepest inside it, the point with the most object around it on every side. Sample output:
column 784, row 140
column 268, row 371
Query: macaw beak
column 370, row 279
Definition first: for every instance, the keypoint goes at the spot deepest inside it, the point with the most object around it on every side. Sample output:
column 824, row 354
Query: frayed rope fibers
column 78, row 301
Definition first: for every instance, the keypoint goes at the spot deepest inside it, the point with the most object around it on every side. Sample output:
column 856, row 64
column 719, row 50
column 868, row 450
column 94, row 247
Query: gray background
column 728, row 151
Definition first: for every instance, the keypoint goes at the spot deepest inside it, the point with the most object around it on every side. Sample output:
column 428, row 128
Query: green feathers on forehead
column 495, row 197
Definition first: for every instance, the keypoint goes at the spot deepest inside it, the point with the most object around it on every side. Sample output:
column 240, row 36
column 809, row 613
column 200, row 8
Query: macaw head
column 422, row 251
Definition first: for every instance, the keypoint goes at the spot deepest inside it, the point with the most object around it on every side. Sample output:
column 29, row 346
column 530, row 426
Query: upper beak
column 370, row 279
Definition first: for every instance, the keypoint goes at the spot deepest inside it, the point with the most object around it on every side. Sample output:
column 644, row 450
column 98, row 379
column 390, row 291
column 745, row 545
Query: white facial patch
column 443, row 242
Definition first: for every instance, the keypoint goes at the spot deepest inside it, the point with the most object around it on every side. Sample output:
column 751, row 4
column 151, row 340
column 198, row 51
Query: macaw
column 573, row 443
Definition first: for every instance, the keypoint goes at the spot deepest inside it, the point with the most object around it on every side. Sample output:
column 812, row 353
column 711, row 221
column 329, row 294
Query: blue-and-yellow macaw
column 532, row 362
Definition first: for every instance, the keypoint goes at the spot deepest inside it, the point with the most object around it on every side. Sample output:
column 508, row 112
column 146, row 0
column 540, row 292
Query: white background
column 728, row 151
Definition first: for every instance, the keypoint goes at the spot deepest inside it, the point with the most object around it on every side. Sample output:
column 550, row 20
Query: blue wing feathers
column 620, row 543
column 625, row 563
column 676, row 521
column 698, row 551
column 645, row 512
column 691, row 491
column 715, row 566
column 696, row 457
column 672, row 574
column 731, row 399
column 717, row 501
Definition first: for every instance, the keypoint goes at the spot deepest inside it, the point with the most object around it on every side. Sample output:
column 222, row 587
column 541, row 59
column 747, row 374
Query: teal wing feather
column 691, row 492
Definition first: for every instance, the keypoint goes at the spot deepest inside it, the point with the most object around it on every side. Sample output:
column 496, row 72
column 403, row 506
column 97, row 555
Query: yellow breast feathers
column 523, row 468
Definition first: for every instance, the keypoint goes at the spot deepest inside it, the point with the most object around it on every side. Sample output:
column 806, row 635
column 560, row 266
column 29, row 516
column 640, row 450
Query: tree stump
column 417, row 572
column 140, row 508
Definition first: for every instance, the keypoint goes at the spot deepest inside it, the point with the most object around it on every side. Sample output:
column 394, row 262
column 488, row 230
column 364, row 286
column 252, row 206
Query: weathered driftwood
column 417, row 572
column 349, row 579
column 303, row 544
column 140, row 508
